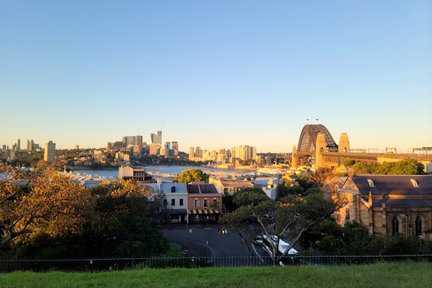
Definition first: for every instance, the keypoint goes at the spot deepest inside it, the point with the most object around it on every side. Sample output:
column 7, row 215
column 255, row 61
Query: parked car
column 258, row 240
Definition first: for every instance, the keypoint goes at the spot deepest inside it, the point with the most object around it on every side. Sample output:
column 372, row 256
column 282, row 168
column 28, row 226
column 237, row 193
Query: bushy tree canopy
column 403, row 167
column 46, row 214
column 42, row 202
column 191, row 175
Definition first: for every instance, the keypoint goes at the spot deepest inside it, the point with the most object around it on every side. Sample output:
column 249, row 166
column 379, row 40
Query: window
column 181, row 202
column 418, row 227
column 173, row 189
column 172, row 202
column 196, row 203
column 215, row 203
column 395, row 226
column 165, row 202
column 347, row 214
column 205, row 203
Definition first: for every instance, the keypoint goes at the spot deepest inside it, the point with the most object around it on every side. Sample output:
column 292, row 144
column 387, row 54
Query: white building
column 134, row 173
column 268, row 185
column 176, row 201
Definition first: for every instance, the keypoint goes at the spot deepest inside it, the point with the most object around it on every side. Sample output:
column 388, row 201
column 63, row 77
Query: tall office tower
column 129, row 141
column 18, row 147
column 254, row 153
column 30, row 145
column 198, row 152
column 139, row 141
column 247, row 152
column 175, row 148
column 174, row 145
column 167, row 145
column 191, row 153
column 50, row 152
column 156, row 138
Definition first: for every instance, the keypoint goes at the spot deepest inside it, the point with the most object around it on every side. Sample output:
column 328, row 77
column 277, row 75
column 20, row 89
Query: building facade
column 50, row 152
column 134, row 173
column 204, row 203
column 175, row 201
column 387, row 205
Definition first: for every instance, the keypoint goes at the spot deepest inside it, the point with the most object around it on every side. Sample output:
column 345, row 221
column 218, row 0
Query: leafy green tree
column 191, row 175
column 364, row 168
column 408, row 167
column 403, row 167
column 121, row 225
column 286, row 219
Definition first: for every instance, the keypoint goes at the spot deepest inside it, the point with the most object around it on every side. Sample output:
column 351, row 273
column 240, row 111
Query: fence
column 110, row 264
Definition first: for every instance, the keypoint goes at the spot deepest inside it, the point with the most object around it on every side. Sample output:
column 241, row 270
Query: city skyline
column 216, row 75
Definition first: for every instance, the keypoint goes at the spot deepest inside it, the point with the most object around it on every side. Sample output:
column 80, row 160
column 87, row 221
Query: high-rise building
column 18, row 145
column 128, row 141
column 154, row 149
column 174, row 145
column 175, row 148
column 131, row 141
column 139, row 142
column 191, row 153
column 30, row 145
column 156, row 138
column 50, row 152
column 198, row 152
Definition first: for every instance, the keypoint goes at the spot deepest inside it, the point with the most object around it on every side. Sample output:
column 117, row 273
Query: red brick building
column 204, row 203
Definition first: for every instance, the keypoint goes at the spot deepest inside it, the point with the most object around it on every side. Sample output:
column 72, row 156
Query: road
column 202, row 241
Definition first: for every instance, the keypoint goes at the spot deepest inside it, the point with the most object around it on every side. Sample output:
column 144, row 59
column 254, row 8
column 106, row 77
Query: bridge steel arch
column 308, row 138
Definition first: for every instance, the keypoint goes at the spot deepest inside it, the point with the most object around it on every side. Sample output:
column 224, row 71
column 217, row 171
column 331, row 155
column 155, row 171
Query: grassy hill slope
column 405, row 274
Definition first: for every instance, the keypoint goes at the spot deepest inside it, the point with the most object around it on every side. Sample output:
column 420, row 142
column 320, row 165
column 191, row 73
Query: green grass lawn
column 403, row 274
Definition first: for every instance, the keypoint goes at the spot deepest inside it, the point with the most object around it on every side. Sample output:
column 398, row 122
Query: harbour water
column 169, row 171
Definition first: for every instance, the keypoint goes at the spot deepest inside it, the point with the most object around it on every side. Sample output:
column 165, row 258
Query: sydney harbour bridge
column 316, row 144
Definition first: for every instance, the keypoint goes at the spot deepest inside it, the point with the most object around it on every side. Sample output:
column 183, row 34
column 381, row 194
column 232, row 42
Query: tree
column 41, row 203
column 191, row 175
column 403, row 167
column 121, row 225
column 287, row 218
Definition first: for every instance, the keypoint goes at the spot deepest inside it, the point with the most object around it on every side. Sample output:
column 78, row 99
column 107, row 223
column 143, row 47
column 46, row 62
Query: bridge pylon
column 344, row 143
column 320, row 147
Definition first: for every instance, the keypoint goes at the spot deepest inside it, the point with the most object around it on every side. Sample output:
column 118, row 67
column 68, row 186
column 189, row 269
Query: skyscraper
column 191, row 153
column 156, row 138
column 18, row 147
column 139, row 141
column 30, row 145
column 175, row 148
column 50, row 152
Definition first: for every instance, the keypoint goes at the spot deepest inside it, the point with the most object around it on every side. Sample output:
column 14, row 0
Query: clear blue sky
column 216, row 73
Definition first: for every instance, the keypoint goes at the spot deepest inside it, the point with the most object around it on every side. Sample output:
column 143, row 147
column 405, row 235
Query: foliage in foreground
column 381, row 275
column 44, row 214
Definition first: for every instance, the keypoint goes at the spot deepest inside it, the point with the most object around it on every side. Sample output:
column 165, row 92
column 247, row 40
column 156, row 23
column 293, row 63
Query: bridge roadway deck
column 378, row 155
column 370, row 156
